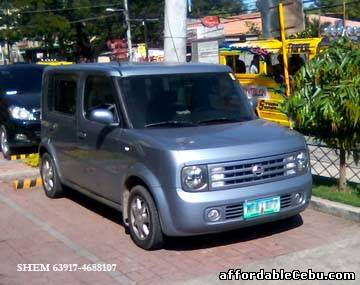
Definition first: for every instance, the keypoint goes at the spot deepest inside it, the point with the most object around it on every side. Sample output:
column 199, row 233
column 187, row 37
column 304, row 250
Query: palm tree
column 326, row 103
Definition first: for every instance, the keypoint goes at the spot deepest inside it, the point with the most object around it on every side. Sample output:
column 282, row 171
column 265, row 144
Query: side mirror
column 102, row 116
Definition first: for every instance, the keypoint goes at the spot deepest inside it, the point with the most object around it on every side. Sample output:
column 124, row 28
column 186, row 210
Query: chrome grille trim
column 239, row 173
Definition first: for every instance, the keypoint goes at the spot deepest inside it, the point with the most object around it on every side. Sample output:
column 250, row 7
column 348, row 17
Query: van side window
column 64, row 99
column 99, row 94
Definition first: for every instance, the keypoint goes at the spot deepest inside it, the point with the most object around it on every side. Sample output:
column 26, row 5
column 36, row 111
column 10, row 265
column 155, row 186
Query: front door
column 102, row 150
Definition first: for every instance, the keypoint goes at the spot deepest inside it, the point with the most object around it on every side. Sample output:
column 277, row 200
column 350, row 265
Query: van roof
column 132, row 69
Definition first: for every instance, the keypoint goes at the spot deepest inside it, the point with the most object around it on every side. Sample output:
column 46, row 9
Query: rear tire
column 144, row 222
column 50, row 178
column 4, row 145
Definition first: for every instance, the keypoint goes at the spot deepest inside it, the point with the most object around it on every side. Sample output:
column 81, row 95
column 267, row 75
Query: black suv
column 20, row 89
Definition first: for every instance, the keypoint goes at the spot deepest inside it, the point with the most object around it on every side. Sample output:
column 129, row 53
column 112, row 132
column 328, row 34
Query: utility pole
column 128, row 30
column 319, row 24
column 146, row 40
column 344, row 13
column 175, row 30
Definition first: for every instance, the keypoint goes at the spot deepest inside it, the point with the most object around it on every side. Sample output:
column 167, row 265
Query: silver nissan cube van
column 175, row 147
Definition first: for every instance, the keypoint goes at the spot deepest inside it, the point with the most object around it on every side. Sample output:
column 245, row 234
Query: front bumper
column 23, row 133
column 186, row 212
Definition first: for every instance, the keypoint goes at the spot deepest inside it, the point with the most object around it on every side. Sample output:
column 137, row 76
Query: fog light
column 213, row 215
column 21, row 137
column 299, row 198
column 290, row 172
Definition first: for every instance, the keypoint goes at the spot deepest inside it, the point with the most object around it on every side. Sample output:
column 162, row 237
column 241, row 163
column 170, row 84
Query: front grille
column 240, row 173
column 285, row 201
column 233, row 211
column 36, row 114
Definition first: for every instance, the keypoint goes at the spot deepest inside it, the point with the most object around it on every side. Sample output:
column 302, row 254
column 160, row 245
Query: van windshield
column 183, row 100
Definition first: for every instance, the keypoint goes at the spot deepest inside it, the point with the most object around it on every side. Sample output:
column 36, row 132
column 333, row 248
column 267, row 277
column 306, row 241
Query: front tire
column 51, row 182
column 4, row 144
column 144, row 222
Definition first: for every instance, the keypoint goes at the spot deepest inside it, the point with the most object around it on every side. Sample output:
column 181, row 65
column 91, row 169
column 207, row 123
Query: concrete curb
column 20, row 174
column 27, row 183
column 334, row 208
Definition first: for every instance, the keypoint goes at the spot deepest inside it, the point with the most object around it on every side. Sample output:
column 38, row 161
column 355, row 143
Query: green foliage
column 326, row 103
column 216, row 7
column 84, row 32
column 33, row 160
column 352, row 9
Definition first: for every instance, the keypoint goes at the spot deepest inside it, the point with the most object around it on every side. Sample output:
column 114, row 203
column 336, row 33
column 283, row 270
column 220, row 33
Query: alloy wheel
column 48, row 175
column 4, row 142
column 140, row 218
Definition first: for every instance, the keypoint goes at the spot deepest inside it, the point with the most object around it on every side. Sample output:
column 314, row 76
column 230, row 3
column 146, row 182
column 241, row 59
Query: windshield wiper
column 219, row 120
column 171, row 123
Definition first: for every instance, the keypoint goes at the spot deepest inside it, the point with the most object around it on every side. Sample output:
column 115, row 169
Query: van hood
column 26, row 100
column 235, row 140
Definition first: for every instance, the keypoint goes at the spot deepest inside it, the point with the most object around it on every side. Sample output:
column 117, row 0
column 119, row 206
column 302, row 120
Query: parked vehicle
column 176, row 147
column 264, row 84
column 20, row 87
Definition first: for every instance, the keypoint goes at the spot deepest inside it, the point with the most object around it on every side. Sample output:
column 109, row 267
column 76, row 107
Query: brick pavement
column 84, row 225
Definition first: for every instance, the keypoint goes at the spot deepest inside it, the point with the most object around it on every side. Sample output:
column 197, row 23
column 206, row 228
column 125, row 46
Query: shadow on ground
column 195, row 242
column 24, row 150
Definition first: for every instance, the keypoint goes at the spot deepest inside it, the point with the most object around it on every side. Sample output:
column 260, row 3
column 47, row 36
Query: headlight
column 194, row 178
column 296, row 163
column 302, row 161
column 20, row 113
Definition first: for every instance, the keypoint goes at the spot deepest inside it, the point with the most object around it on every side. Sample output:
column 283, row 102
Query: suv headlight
column 20, row 113
column 194, row 178
column 297, row 163
column 302, row 161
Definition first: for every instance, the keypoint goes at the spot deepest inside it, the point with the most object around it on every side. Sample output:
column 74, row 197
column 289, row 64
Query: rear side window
column 62, row 95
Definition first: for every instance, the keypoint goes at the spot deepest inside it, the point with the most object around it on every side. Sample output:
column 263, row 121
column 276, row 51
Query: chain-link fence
column 325, row 162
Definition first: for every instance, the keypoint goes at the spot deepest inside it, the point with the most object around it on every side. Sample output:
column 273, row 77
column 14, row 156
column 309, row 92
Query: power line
column 66, row 9
column 332, row 6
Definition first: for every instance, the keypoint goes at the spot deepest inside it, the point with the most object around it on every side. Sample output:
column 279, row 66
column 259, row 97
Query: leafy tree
column 312, row 27
column 326, row 103
column 83, row 32
column 216, row 7
column 335, row 8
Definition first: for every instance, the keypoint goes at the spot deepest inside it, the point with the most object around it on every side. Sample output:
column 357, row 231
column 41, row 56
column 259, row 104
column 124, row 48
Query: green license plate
column 256, row 208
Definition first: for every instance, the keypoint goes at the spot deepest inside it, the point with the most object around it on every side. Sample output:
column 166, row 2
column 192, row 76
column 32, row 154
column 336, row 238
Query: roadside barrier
column 27, row 183
column 20, row 156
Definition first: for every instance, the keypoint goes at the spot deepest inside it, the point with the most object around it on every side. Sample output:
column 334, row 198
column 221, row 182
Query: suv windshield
column 184, row 100
column 21, row 80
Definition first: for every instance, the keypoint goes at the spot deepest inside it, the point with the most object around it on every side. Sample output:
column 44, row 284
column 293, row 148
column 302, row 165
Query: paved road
column 75, row 229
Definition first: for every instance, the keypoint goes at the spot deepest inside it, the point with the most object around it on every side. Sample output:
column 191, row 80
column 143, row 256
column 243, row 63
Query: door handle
column 81, row 135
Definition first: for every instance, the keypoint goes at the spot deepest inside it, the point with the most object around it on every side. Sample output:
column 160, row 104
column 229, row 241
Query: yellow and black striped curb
column 27, row 183
column 20, row 156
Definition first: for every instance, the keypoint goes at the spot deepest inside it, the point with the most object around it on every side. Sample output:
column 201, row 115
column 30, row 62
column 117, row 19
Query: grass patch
column 327, row 188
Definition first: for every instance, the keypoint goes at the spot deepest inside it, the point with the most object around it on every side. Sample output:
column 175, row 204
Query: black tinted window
column 22, row 80
column 64, row 95
column 188, row 98
column 99, row 94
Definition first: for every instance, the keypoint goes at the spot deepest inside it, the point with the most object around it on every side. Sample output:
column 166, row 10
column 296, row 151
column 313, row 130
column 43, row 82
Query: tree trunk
column 342, row 179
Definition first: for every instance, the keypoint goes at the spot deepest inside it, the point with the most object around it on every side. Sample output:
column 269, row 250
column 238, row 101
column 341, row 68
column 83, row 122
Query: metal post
column 344, row 13
column 128, row 31
column 284, row 47
column 146, row 40
column 175, row 30
column 319, row 24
